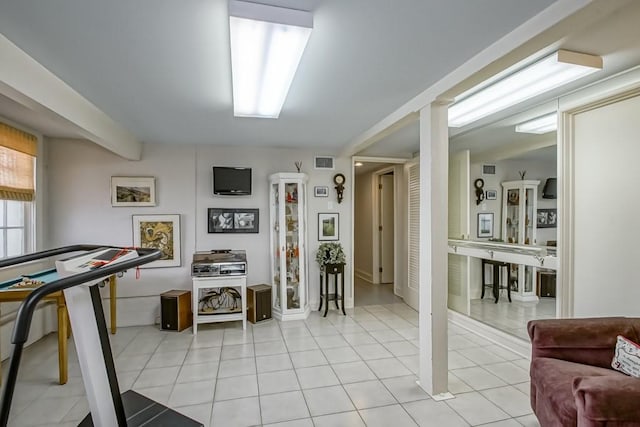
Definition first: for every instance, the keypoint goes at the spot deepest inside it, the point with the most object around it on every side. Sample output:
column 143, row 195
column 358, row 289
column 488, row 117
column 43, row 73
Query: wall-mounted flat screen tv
column 231, row 181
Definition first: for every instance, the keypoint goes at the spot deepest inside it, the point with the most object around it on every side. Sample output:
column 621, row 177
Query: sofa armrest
column 607, row 398
column 590, row 341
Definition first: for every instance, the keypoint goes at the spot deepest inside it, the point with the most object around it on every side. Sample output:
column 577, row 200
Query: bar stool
column 331, row 270
column 495, row 285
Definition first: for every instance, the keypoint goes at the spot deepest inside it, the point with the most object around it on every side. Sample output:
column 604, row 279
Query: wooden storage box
column 258, row 303
column 175, row 310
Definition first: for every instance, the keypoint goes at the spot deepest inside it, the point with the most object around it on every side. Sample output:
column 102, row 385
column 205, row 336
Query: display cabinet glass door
column 288, row 240
column 276, row 243
column 292, row 245
column 513, row 216
column 529, row 217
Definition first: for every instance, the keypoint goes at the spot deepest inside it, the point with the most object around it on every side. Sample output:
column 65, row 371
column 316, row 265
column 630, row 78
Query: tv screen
column 231, row 181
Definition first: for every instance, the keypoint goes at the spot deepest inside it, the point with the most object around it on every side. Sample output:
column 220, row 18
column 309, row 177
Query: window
column 17, row 191
column 15, row 228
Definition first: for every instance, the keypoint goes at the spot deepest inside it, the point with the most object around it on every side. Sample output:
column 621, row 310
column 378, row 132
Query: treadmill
column 79, row 278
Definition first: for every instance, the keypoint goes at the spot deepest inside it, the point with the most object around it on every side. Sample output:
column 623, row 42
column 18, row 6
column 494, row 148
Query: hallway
column 366, row 293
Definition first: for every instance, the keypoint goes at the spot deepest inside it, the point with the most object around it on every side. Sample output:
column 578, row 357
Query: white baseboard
column 510, row 342
column 364, row 275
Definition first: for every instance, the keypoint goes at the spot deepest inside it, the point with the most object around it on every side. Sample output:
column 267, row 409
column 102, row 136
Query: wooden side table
column 333, row 270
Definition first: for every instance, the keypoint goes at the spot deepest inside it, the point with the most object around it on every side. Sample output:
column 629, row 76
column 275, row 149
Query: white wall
column 606, row 181
column 363, row 226
column 80, row 209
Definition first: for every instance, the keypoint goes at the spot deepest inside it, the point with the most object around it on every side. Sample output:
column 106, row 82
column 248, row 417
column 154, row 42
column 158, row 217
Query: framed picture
column 158, row 232
column 485, row 225
column 547, row 218
column 225, row 220
column 321, row 191
column 491, row 194
column 133, row 191
column 328, row 226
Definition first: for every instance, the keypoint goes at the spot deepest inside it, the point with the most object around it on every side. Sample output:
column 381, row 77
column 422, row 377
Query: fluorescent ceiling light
column 267, row 43
column 540, row 125
column 548, row 73
column 358, row 164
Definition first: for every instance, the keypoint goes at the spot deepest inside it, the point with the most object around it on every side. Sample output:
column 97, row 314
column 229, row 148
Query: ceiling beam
column 27, row 82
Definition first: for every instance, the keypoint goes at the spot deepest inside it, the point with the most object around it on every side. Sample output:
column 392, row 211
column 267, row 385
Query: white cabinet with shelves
column 288, row 245
column 219, row 299
column 519, row 204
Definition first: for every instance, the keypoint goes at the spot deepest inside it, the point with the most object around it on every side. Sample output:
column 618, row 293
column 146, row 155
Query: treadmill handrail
column 28, row 306
column 7, row 262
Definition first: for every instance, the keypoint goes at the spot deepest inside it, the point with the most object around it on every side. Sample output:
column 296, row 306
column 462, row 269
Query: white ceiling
column 616, row 38
column 160, row 68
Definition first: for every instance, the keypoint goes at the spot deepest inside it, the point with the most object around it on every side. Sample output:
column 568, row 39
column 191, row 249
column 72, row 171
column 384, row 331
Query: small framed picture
column 321, row 191
column 547, row 218
column 485, row 225
column 133, row 191
column 328, row 226
column 491, row 194
column 158, row 232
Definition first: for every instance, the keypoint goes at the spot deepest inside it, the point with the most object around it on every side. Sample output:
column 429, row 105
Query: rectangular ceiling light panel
column 541, row 125
column 549, row 73
column 267, row 43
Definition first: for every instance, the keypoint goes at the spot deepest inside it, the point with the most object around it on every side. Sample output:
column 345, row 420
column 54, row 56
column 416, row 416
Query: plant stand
column 331, row 270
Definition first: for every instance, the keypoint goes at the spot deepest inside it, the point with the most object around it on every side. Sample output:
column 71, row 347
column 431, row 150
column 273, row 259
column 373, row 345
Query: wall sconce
column 339, row 179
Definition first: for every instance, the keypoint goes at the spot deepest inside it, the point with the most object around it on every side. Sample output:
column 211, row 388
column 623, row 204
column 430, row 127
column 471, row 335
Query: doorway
column 386, row 232
column 376, row 232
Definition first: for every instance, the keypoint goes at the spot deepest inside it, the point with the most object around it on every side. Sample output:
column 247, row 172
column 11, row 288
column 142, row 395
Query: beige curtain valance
column 18, row 140
column 17, row 152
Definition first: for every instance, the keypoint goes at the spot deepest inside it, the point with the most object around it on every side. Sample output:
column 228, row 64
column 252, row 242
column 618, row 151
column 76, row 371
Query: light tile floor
column 512, row 317
column 354, row 370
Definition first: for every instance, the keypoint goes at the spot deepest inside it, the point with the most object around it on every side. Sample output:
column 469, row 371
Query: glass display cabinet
column 289, row 245
column 519, row 204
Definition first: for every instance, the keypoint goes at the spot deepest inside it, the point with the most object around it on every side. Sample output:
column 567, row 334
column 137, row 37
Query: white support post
column 434, row 161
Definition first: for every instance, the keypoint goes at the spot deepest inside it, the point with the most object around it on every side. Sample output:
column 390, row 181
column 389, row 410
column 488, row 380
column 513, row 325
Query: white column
column 434, row 161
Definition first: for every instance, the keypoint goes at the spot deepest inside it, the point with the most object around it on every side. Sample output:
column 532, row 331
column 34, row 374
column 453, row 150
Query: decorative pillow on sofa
column 627, row 357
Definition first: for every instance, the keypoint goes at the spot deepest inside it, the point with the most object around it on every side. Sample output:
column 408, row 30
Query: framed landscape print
column 328, row 226
column 158, row 232
column 133, row 191
column 226, row 220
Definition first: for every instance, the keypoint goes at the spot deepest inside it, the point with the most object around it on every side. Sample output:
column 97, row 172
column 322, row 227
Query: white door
column 459, row 227
column 387, row 248
column 412, row 294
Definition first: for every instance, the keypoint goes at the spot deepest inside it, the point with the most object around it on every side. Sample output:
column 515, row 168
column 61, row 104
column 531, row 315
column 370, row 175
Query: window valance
column 17, row 152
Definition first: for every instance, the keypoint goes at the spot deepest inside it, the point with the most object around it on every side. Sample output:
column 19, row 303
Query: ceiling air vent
column 320, row 162
column 488, row 169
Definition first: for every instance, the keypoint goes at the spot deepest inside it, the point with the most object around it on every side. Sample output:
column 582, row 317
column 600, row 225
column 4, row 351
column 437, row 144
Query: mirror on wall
column 505, row 173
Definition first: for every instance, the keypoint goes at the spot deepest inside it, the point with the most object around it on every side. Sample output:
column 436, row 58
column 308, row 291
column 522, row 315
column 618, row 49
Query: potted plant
column 330, row 257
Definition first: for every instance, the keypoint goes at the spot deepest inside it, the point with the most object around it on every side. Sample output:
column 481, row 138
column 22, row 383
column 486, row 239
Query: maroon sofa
column 572, row 382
